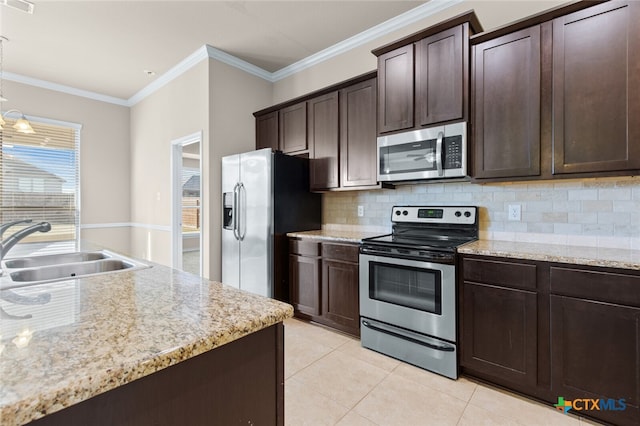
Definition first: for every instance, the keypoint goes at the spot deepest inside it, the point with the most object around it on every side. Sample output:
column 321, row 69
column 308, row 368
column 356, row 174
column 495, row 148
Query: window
column 39, row 180
column 190, row 199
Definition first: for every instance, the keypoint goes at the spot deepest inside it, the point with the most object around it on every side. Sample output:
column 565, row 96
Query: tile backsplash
column 601, row 212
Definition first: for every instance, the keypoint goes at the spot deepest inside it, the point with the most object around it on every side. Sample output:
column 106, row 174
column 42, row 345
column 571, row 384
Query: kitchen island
column 153, row 346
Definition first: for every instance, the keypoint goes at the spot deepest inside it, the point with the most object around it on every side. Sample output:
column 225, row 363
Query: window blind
column 39, row 180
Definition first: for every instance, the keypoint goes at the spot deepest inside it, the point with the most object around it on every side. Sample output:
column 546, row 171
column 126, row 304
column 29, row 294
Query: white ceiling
column 105, row 46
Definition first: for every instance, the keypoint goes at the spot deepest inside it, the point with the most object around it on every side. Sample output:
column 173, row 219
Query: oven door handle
column 411, row 339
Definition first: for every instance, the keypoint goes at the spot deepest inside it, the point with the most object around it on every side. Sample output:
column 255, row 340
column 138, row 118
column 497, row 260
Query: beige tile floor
column 332, row 380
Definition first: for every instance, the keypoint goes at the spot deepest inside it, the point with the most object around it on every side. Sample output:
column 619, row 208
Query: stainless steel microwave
column 433, row 153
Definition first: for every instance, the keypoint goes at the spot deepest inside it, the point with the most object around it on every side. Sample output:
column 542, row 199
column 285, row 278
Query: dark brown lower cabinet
column 501, row 320
column 554, row 330
column 595, row 340
column 304, row 277
column 324, row 283
column 340, row 295
column 241, row 382
column 500, row 333
column 596, row 355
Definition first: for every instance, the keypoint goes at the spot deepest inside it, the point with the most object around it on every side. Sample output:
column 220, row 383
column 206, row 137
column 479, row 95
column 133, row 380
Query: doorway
column 186, row 203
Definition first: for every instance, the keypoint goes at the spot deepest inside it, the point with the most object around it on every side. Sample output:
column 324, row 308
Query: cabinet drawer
column 343, row 252
column 508, row 274
column 602, row 286
column 304, row 248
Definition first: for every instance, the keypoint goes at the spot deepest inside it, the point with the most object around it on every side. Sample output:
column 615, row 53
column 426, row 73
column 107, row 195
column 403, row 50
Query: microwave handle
column 439, row 153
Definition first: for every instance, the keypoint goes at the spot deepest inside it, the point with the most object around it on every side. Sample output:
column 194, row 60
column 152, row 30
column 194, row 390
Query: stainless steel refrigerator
column 265, row 194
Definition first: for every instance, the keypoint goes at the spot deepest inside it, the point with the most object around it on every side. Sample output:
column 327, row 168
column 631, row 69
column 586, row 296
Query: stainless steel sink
column 54, row 259
column 69, row 270
column 33, row 270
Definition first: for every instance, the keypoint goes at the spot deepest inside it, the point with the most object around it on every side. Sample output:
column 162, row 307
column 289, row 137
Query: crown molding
column 409, row 17
column 62, row 88
column 238, row 63
column 176, row 71
column 206, row 51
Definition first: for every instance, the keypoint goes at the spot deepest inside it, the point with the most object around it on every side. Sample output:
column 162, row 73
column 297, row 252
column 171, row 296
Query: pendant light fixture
column 21, row 125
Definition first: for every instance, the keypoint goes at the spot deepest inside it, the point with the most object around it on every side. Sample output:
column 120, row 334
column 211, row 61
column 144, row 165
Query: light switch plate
column 514, row 212
column 360, row 211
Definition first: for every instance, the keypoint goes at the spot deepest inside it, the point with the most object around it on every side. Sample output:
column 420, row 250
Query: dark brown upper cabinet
column 267, row 131
column 395, row 86
column 323, row 135
column 557, row 95
column 440, row 77
column 596, row 89
column 293, row 128
column 358, row 161
column 335, row 127
column 423, row 79
column 506, row 105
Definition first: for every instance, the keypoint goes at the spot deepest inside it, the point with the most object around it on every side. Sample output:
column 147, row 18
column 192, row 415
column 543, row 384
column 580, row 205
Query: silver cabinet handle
column 439, row 153
column 235, row 211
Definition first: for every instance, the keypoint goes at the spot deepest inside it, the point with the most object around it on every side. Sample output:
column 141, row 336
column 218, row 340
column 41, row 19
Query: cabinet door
column 340, row 303
column 440, row 77
column 395, row 90
column 499, row 335
column 358, row 158
column 293, row 128
column 596, row 89
column 267, row 131
column 595, row 353
column 323, row 128
column 304, row 282
column 506, row 100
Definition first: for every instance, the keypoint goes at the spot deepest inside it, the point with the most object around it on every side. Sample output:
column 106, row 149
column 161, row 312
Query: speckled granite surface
column 93, row 334
column 334, row 235
column 594, row 256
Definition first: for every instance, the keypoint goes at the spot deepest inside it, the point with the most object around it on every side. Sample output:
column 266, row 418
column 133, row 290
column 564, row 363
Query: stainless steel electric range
column 408, row 285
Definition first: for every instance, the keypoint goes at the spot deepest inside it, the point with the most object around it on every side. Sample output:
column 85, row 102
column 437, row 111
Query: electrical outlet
column 360, row 211
column 514, row 212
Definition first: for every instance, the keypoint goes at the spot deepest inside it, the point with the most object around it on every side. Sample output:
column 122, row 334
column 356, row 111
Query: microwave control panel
column 452, row 152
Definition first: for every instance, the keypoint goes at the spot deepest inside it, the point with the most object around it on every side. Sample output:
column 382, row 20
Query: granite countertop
column 593, row 256
column 94, row 334
column 334, row 235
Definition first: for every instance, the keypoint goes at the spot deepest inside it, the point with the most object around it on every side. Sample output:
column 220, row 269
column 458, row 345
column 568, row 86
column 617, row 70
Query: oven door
column 412, row 294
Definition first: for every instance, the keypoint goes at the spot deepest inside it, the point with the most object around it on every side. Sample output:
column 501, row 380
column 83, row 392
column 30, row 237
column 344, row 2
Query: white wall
column 178, row 109
column 212, row 97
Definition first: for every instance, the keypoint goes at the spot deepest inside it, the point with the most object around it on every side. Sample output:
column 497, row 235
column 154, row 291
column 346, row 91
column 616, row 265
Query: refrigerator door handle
column 235, row 211
column 242, row 228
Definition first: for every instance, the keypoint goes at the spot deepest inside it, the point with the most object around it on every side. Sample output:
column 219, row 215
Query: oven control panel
column 462, row 215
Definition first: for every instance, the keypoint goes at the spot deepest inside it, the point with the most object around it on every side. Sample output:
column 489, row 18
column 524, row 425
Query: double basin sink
column 24, row 271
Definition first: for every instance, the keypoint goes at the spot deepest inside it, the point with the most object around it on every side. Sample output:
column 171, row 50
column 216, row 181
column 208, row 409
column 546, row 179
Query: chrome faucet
column 8, row 225
column 7, row 244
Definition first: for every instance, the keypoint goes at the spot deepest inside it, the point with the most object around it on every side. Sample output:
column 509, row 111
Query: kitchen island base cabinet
column 241, row 382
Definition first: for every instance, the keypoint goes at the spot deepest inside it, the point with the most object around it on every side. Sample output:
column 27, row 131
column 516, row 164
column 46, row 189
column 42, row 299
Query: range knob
column 467, row 214
column 405, row 212
column 397, row 212
column 458, row 214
